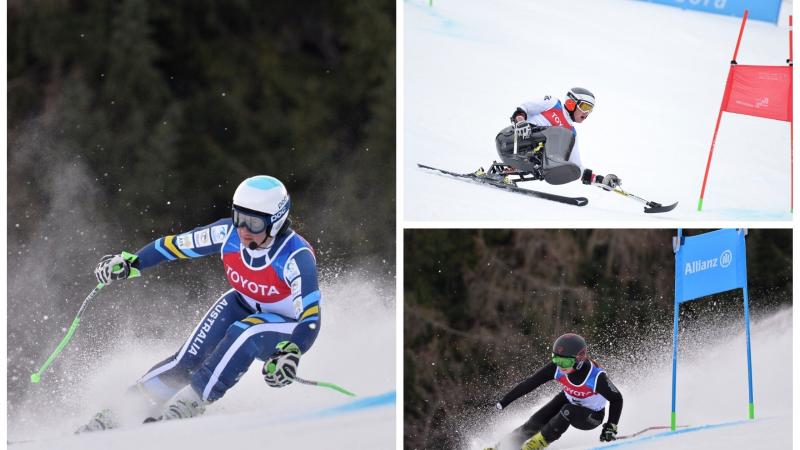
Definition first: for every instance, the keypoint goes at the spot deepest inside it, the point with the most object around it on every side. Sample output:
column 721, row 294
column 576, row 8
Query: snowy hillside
column 716, row 414
column 371, row 428
column 658, row 74
column 355, row 349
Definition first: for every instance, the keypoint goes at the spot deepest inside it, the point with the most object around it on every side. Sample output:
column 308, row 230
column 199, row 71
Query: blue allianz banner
column 709, row 263
column 706, row 264
column 766, row 10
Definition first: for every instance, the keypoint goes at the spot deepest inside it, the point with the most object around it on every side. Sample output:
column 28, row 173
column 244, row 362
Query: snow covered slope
column 658, row 74
column 372, row 427
column 355, row 349
column 715, row 412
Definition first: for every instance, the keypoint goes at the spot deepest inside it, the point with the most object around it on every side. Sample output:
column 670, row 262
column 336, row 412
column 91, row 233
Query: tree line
column 164, row 107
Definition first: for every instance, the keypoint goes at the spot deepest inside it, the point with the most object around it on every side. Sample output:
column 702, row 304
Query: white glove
column 523, row 129
column 116, row 267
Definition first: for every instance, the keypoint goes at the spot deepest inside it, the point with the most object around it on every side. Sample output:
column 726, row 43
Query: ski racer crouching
column 582, row 403
column 272, row 312
column 542, row 142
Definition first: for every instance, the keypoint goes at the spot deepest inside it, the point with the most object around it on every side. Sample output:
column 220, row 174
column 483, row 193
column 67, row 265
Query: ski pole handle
column 37, row 376
column 325, row 384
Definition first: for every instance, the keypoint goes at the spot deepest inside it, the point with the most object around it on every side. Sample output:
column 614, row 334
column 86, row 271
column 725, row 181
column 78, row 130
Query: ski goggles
column 585, row 106
column 564, row 362
column 255, row 223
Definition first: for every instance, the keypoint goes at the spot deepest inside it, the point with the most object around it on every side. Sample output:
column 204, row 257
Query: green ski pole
column 37, row 376
column 325, row 384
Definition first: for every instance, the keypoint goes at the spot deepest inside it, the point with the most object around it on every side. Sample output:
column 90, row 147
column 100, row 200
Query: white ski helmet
column 579, row 96
column 266, row 197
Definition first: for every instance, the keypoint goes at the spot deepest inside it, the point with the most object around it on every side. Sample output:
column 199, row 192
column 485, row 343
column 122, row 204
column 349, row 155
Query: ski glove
column 519, row 113
column 611, row 181
column 280, row 369
column 609, row 432
column 607, row 182
column 116, row 267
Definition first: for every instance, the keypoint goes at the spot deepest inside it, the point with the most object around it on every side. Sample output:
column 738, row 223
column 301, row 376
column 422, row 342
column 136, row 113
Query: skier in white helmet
column 271, row 312
column 542, row 140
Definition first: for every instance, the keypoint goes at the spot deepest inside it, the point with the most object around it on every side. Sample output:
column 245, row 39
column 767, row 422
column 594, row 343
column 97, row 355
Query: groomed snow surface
column 658, row 73
column 355, row 349
column 715, row 410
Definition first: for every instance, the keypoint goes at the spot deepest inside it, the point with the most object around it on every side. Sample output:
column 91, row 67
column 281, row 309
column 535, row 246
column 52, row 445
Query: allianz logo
column 724, row 260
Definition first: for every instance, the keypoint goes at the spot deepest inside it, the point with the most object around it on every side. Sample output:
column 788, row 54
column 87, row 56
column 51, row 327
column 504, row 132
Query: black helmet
column 571, row 345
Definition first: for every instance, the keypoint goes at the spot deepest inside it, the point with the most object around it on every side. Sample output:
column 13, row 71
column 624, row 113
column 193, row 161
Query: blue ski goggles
column 254, row 222
column 564, row 362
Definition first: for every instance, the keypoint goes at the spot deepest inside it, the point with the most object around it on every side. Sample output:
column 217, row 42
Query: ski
column 649, row 206
column 471, row 177
column 654, row 207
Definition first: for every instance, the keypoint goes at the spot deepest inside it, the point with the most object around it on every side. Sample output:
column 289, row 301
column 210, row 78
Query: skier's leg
column 251, row 338
column 514, row 440
column 557, row 168
column 588, row 422
column 166, row 378
column 560, row 172
column 578, row 416
column 530, row 143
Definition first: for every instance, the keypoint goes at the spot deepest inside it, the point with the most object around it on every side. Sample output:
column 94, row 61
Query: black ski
column 471, row 177
column 654, row 207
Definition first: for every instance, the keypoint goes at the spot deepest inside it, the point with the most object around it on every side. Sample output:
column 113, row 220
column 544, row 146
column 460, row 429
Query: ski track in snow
column 358, row 323
column 715, row 413
column 658, row 73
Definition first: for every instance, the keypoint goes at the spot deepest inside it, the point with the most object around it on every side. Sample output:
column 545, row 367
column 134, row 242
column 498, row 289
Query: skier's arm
column 201, row 241
column 300, row 272
column 542, row 376
column 534, row 107
column 607, row 182
column 607, row 389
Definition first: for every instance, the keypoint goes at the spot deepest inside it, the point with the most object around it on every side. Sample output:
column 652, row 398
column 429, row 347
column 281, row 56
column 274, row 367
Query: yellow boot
column 535, row 442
